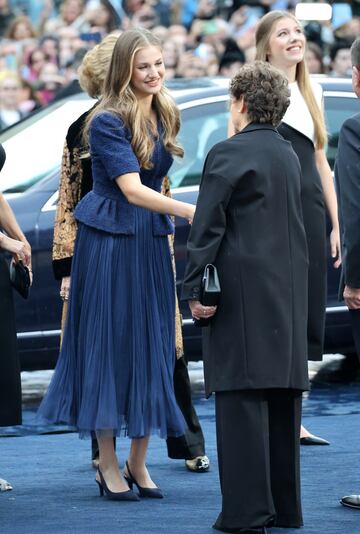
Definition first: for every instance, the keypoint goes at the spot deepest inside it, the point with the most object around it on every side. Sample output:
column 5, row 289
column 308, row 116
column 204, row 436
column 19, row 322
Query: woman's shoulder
column 74, row 133
column 107, row 119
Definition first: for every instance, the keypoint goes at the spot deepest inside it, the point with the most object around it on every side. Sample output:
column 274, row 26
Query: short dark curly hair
column 265, row 91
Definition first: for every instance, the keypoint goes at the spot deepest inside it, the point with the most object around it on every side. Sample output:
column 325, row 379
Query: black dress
column 10, row 385
column 295, row 128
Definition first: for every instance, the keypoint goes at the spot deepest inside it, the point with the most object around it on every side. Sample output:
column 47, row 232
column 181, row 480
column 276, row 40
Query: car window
column 337, row 110
column 34, row 147
column 202, row 127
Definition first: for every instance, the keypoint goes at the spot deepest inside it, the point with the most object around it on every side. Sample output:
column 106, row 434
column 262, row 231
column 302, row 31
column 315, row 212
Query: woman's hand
column 335, row 247
column 17, row 248
column 65, row 288
column 191, row 212
column 198, row 311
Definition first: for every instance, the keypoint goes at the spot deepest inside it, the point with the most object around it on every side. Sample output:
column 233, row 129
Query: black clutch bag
column 20, row 278
column 210, row 291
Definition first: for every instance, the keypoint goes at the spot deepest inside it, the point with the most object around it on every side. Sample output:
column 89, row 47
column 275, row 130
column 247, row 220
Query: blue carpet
column 54, row 489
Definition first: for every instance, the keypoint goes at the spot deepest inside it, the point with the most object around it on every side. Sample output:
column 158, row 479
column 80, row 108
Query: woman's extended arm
column 141, row 195
column 9, row 223
column 65, row 226
column 330, row 202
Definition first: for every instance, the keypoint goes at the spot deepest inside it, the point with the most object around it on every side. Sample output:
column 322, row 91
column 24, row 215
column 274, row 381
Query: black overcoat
column 347, row 179
column 248, row 222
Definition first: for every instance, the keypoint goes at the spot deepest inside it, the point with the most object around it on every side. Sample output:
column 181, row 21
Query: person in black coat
column 347, row 177
column 248, row 222
column 12, row 241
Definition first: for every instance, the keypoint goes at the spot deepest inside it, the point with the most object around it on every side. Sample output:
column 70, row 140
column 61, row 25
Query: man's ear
column 242, row 105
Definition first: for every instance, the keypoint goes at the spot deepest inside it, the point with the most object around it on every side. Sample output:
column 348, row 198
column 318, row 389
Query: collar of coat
column 257, row 126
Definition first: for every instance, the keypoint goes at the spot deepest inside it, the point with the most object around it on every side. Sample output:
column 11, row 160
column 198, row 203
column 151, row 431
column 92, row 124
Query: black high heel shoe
column 151, row 493
column 115, row 495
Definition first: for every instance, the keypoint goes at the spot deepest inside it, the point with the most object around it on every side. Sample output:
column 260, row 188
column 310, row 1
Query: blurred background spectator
column 35, row 62
column 102, row 16
column 50, row 82
column 231, row 60
column 10, row 111
column 20, row 28
column 28, row 100
column 42, row 41
column 314, row 58
column 6, row 16
column 340, row 60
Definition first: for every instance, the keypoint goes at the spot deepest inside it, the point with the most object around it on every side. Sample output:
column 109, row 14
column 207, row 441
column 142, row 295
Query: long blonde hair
column 263, row 34
column 119, row 98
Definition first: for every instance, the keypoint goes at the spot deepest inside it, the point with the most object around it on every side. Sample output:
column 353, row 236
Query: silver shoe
column 200, row 464
column 4, row 485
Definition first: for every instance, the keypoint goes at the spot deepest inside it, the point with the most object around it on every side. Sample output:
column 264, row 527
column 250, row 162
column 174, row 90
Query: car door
column 339, row 106
column 203, row 124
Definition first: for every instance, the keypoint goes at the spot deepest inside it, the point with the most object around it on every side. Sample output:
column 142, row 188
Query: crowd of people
column 43, row 42
column 113, row 253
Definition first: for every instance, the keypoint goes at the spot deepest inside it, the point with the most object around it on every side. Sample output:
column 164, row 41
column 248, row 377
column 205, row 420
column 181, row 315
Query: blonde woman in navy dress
column 281, row 41
column 115, row 370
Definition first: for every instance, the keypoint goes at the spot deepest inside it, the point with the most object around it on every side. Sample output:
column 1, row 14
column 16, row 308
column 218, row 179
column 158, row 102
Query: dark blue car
column 31, row 176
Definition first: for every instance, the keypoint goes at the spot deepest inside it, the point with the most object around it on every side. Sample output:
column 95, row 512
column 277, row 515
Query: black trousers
column 258, row 452
column 10, row 384
column 355, row 320
column 191, row 444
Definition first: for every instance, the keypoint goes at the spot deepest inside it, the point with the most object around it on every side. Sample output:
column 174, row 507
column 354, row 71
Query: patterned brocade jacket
column 75, row 183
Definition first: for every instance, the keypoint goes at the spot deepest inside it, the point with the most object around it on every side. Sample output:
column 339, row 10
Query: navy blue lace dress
column 115, row 369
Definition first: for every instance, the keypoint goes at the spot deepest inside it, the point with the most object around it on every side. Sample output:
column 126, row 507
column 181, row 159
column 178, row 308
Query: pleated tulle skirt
column 115, row 369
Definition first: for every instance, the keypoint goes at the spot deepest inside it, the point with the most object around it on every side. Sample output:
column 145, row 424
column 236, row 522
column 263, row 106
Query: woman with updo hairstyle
column 248, row 223
column 280, row 40
column 93, row 68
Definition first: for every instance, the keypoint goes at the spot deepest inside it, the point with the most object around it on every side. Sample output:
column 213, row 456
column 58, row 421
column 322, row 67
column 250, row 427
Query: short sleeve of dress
column 110, row 143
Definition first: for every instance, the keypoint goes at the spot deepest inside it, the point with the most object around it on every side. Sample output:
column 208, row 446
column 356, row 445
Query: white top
column 297, row 114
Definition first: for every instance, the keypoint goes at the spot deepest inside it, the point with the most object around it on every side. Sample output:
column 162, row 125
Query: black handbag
column 20, row 278
column 210, row 291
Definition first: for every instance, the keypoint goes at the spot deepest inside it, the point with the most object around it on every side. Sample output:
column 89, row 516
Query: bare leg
column 108, row 464
column 137, row 458
column 304, row 433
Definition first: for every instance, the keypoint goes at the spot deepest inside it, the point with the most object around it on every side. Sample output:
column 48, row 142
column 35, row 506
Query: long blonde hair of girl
column 263, row 33
column 119, row 98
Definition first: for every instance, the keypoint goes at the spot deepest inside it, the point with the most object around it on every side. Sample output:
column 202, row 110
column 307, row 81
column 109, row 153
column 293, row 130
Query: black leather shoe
column 258, row 530
column 352, row 501
column 151, row 493
column 313, row 440
column 128, row 495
